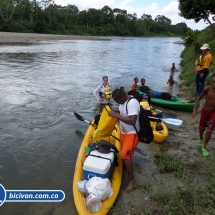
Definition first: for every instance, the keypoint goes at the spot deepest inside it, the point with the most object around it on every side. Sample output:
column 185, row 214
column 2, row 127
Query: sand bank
column 11, row 37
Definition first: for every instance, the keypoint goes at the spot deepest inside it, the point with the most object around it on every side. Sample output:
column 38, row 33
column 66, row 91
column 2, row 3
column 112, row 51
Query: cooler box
column 98, row 164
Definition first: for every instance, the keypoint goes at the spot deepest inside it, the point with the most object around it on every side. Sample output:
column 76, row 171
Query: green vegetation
column 193, row 41
column 195, row 194
column 198, row 10
column 44, row 16
column 167, row 163
column 192, row 199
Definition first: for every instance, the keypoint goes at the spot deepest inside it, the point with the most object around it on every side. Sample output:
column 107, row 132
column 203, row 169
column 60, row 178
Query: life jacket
column 107, row 92
column 200, row 59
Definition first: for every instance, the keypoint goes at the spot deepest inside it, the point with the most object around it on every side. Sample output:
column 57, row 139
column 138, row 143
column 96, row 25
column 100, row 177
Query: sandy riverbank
column 11, row 37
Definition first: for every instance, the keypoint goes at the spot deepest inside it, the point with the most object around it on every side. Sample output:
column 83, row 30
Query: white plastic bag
column 81, row 185
column 100, row 187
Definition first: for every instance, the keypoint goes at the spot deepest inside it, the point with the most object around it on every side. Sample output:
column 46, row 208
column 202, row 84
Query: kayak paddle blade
column 78, row 116
column 172, row 121
column 169, row 120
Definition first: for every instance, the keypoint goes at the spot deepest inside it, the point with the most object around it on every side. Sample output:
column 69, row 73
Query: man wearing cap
column 202, row 67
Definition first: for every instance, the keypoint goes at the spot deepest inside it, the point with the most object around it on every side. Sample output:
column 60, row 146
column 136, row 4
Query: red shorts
column 128, row 144
column 207, row 120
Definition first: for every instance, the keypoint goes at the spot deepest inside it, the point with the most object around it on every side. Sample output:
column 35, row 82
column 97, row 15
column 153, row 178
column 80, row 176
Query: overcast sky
column 167, row 8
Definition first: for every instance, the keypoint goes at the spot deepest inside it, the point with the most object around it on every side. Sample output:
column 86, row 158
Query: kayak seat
column 173, row 99
column 159, row 127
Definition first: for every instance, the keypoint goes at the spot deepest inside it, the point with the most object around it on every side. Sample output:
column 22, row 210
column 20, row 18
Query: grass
column 167, row 163
column 187, row 201
column 134, row 209
column 194, row 195
column 191, row 199
column 195, row 198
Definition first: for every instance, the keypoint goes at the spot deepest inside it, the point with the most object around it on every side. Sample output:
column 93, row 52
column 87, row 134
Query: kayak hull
column 160, row 135
column 160, row 130
column 115, row 179
column 175, row 103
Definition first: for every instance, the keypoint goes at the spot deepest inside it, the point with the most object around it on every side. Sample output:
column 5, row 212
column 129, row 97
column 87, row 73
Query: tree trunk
column 211, row 24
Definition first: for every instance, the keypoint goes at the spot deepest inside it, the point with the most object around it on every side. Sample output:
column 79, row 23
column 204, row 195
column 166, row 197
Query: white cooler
column 98, row 164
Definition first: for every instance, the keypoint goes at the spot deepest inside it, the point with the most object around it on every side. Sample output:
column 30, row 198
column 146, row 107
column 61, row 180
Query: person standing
column 142, row 82
column 103, row 92
column 207, row 120
column 202, row 67
column 170, row 80
column 135, row 86
column 128, row 135
column 173, row 69
column 122, row 88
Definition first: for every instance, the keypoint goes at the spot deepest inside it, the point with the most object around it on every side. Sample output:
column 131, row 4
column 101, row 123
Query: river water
column 42, row 84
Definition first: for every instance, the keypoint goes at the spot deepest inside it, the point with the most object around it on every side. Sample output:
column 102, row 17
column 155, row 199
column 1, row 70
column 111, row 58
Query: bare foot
column 130, row 186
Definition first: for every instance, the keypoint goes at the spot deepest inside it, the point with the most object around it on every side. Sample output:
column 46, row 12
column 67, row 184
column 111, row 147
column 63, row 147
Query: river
column 42, row 84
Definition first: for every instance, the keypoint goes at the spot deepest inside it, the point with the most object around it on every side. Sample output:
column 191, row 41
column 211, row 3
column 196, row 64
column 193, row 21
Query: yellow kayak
column 115, row 179
column 160, row 129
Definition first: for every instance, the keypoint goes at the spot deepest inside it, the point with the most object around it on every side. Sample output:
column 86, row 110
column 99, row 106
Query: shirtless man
column 173, row 69
column 207, row 120
column 170, row 80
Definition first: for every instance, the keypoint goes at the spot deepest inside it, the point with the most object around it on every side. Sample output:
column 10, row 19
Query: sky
column 167, row 8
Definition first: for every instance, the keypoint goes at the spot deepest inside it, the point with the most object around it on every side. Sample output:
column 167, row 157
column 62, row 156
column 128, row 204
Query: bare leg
column 201, row 135
column 129, row 168
column 207, row 138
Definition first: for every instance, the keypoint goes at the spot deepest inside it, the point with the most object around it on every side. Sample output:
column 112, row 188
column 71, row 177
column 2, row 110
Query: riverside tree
column 198, row 10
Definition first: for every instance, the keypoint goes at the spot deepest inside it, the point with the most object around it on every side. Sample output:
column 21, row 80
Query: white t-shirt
column 133, row 108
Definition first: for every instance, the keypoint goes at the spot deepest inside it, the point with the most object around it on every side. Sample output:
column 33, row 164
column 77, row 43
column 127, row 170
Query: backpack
column 145, row 134
column 144, row 89
column 166, row 96
column 104, row 147
column 137, row 94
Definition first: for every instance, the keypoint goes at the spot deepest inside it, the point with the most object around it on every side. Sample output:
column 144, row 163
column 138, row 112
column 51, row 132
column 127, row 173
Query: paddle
column 168, row 114
column 168, row 120
column 81, row 118
column 191, row 101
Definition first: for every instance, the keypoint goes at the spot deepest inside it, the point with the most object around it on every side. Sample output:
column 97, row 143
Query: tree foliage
column 44, row 16
column 198, row 10
column 6, row 10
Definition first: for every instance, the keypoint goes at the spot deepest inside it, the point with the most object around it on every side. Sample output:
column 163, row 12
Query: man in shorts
column 207, row 120
column 128, row 135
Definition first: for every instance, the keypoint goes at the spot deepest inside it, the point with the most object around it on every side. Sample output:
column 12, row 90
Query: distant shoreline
column 12, row 37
